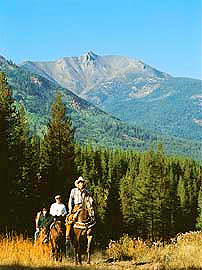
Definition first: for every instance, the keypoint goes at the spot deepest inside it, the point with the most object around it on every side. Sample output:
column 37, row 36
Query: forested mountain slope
column 92, row 125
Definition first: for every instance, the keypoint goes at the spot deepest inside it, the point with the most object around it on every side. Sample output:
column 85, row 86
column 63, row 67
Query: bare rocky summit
column 82, row 73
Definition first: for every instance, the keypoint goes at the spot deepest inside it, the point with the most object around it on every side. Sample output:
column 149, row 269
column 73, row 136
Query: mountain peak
column 3, row 60
column 89, row 56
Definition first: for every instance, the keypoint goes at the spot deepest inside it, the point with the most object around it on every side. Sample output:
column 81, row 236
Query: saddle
column 71, row 218
column 71, row 221
column 85, row 225
column 53, row 223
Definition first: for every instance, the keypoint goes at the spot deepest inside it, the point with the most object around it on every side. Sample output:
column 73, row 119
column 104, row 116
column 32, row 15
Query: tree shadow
column 20, row 267
column 69, row 267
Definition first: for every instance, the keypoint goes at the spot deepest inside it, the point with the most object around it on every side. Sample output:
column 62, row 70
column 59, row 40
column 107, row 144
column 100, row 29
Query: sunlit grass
column 19, row 251
column 184, row 252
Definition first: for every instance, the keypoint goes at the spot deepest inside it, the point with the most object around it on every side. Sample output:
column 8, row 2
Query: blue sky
column 165, row 34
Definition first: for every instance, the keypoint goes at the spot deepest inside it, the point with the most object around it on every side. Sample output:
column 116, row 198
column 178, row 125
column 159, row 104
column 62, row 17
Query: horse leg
column 54, row 252
column 78, row 247
column 78, row 252
column 89, row 238
column 61, row 248
column 56, row 255
column 52, row 249
column 59, row 254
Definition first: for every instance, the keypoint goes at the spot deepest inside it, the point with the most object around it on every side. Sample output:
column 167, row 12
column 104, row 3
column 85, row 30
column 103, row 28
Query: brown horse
column 42, row 240
column 43, row 236
column 57, row 239
column 81, row 225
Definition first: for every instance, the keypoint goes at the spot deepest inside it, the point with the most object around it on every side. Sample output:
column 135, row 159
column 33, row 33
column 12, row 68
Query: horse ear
column 91, row 200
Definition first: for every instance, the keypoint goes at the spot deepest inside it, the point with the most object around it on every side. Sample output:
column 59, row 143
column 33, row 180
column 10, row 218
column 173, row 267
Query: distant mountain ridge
column 79, row 74
column 130, row 90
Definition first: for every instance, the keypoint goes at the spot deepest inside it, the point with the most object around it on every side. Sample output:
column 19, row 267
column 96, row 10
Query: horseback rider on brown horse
column 81, row 218
column 43, row 220
column 57, row 228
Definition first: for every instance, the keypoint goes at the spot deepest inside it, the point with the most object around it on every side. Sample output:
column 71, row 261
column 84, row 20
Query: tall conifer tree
column 58, row 151
column 7, row 124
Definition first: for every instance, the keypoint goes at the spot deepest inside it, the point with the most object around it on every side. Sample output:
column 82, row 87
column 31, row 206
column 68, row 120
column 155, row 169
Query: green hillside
column 171, row 106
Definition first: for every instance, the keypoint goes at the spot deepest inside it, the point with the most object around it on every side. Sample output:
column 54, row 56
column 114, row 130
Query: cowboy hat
column 80, row 179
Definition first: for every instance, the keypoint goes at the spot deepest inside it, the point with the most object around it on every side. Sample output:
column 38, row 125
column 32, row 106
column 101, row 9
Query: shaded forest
column 148, row 194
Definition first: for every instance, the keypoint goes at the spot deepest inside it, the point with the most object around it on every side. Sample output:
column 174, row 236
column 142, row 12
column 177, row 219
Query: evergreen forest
column 147, row 194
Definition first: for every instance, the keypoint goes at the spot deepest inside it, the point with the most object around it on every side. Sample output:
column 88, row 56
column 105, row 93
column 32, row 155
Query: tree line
column 148, row 194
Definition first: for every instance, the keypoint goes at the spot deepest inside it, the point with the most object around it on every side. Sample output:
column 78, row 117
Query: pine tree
column 35, row 168
column 7, row 169
column 199, row 218
column 58, row 151
column 21, row 184
column 128, row 187
column 151, row 195
column 173, row 201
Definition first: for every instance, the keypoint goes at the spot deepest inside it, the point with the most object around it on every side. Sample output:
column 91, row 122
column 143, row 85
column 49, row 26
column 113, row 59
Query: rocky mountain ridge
column 131, row 91
column 82, row 73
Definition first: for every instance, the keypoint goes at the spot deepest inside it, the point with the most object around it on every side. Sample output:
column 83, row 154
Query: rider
column 77, row 196
column 43, row 219
column 58, row 209
column 80, row 201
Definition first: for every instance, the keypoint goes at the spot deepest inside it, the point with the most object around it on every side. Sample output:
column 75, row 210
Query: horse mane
column 89, row 206
column 57, row 225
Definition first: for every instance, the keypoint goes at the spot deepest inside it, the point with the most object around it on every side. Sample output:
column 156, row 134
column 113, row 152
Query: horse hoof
column 78, row 263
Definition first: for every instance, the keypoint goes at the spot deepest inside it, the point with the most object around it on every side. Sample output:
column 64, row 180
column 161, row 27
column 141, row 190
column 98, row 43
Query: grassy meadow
column 183, row 252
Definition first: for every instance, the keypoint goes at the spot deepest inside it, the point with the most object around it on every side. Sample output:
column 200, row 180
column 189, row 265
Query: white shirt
column 58, row 209
column 76, row 197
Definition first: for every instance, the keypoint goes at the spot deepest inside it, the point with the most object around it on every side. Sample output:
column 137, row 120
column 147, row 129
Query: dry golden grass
column 185, row 252
column 21, row 254
column 14, row 250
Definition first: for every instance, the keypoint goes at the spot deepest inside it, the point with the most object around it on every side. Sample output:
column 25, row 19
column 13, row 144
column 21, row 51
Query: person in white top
column 58, row 209
column 77, row 195
column 76, row 198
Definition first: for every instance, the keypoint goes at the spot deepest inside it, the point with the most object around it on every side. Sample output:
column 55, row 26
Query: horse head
column 68, row 223
column 89, row 206
column 42, row 239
